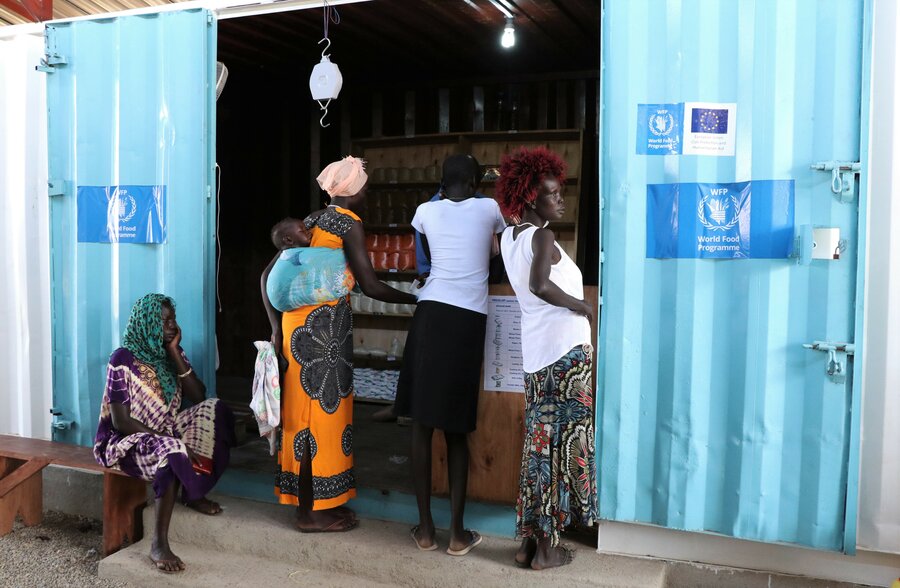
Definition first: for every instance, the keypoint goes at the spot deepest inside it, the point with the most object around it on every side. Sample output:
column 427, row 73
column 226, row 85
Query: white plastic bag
column 266, row 402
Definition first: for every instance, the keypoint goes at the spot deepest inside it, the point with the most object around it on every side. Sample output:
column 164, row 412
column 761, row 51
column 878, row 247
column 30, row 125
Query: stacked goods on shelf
column 392, row 253
column 362, row 304
column 393, row 206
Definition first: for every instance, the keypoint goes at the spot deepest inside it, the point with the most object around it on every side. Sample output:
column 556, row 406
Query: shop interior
column 421, row 80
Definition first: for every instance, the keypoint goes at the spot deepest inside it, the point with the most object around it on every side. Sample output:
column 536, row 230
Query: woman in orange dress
column 315, row 451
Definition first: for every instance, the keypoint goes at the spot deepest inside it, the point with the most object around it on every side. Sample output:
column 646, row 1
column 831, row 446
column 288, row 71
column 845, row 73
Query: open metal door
column 131, row 166
column 714, row 417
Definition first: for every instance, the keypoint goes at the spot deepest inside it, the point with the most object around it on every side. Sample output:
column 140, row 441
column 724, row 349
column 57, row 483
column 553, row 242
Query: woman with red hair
column 557, row 485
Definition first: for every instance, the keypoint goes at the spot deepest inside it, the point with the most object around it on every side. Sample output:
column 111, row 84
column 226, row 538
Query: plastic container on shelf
column 392, row 261
column 406, row 260
column 407, row 242
column 381, row 260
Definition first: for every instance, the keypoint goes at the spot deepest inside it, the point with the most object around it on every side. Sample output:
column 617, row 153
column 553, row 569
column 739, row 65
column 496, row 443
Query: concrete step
column 250, row 539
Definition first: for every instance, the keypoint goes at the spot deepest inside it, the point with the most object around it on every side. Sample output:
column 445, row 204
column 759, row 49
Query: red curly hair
column 521, row 174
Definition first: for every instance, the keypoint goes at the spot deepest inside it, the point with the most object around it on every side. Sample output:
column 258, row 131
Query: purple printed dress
column 207, row 428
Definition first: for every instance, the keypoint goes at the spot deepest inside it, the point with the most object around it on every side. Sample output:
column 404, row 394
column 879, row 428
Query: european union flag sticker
column 709, row 128
column 709, row 120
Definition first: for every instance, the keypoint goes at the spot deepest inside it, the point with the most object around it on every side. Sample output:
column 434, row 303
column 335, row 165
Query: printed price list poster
column 503, row 346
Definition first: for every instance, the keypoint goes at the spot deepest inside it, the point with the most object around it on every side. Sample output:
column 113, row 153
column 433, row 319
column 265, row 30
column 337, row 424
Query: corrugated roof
column 71, row 8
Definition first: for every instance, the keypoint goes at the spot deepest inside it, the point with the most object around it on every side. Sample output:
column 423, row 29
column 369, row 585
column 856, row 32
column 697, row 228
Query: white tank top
column 548, row 332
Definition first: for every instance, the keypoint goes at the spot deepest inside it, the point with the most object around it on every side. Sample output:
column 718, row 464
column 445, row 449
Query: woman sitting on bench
column 143, row 433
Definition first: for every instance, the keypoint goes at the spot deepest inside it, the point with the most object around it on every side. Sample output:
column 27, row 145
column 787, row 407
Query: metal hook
column 327, row 47
column 325, row 108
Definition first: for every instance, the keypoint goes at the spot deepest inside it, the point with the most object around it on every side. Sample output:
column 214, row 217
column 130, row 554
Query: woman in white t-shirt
column 557, row 483
column 440, row 378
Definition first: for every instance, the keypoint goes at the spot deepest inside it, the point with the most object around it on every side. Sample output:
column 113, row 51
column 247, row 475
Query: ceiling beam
column 33, row 10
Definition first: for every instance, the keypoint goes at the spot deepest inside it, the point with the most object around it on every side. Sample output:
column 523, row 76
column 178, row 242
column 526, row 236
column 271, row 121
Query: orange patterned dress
column 317, row 396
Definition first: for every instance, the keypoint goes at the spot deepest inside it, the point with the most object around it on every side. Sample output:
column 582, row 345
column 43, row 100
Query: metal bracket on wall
column 56, row 188
column 836, row 364
column 843, row 176
column 49, row 62
column 58, row 423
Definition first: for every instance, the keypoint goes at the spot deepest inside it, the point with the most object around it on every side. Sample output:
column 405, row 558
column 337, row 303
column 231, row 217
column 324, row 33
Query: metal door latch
column 58, row 423
column 843, row 175
column 51, row 61
column 836, row 364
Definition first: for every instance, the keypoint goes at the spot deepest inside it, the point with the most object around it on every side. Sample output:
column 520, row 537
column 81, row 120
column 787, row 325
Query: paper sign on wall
column 503, row 371
column 709, row 128
column 122, row 214
column 688, row 128
column 721, row 221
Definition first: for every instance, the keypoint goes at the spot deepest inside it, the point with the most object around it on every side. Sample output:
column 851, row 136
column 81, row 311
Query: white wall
column 879, row 498
column 25, row 376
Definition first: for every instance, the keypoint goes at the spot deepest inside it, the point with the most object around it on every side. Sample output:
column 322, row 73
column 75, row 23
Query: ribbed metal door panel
column 713, row 417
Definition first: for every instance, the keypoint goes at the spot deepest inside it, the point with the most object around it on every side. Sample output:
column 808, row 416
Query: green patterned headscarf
column 144, row 339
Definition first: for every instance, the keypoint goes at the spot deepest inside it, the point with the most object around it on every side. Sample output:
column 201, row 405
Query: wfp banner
column 744, row 220
column 122, row 214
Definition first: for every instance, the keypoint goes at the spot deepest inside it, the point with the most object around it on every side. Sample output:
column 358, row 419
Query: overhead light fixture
column 508, row 38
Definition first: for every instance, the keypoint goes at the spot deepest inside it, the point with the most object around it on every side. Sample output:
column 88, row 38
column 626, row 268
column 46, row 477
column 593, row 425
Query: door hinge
column 843, row 176
column 51, row 61
column 58, row 423
column 836, row 364
column 56, row 188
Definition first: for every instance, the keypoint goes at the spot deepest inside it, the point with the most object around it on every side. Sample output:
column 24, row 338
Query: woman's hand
column 586, row 310
column 172, row 347
column 277, row 340
column 192, row 455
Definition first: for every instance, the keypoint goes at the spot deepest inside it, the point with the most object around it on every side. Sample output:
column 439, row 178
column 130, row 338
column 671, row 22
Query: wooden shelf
column 411, row 185
column 357, row 313
column 396, row 274
column 377, row 363
column 474, row 137
column 388, row 228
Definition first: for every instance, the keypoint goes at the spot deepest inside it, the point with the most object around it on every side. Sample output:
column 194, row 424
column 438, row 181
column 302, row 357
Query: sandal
column 412, row 533
column 476, row 540
column 341, row 525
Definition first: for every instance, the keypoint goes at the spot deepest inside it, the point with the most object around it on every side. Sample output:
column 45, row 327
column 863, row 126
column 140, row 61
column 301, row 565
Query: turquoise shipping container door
column 131, row 103
column 713, row 415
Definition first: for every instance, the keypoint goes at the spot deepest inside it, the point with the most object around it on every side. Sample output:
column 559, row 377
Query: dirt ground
column 61, row 552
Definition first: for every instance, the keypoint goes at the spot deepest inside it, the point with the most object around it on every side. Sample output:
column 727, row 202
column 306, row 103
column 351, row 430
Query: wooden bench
column 22, row 461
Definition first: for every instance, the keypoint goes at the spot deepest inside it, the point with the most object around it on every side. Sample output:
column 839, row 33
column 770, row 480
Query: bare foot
column 526, row 552
column 164, row 560
column 345, row 512
column 204, row 506
column 551, row 557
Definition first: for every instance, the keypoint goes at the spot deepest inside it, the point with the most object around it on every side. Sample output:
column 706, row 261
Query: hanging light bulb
column 508, row 38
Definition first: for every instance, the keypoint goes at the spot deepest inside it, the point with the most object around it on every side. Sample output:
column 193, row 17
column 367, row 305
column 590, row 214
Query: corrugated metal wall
column 879, row 507
column 25, row 381
column 713, row 417
column 133, row 106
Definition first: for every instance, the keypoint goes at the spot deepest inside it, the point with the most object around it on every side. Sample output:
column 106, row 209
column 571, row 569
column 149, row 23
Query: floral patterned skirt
column 558, row 484
column 317, row 405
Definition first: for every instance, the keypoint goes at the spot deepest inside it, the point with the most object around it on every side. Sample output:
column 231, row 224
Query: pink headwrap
column 343, row 178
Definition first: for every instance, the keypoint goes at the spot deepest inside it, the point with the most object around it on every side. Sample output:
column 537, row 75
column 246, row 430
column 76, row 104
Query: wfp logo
column 661, row 123
column 127, row 206
column 723, row 212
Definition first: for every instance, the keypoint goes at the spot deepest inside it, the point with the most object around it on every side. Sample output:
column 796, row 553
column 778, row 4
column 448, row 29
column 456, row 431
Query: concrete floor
column 255, row 544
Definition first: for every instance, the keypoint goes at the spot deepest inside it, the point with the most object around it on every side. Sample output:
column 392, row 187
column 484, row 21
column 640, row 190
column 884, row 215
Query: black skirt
column 441, row 373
